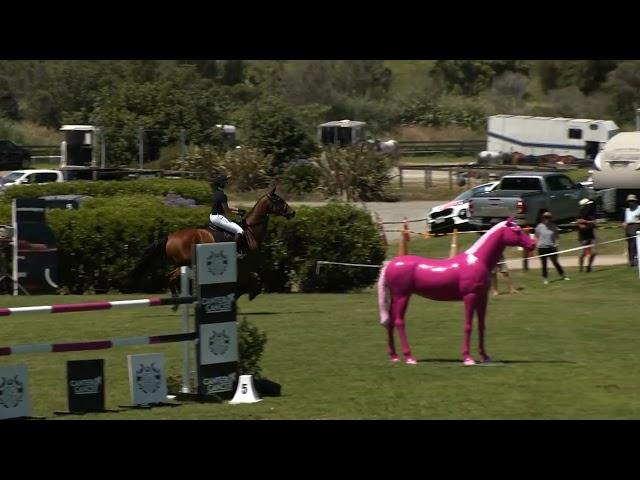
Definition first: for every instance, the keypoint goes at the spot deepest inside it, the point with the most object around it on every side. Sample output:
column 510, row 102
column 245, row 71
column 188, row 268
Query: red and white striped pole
column 88, row 306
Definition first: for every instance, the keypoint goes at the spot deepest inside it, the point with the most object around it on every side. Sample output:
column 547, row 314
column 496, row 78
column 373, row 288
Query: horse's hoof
column 468, row 362
column 411, row 361
column 395, row 359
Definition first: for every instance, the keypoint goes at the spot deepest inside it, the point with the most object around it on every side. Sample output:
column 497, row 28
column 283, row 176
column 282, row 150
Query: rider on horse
column 220, row 207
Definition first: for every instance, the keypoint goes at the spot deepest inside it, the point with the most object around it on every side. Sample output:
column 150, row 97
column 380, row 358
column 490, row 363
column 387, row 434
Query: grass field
column 568, row 350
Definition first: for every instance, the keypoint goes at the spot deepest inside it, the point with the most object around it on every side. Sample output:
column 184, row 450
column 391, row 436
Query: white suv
column 30, row 177
column 455, row 214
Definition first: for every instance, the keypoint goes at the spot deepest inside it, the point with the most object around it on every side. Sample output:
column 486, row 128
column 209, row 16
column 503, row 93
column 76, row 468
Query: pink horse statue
column 463, row 277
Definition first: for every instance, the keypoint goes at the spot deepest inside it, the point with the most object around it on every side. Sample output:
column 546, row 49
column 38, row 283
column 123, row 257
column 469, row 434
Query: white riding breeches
column 225, row 224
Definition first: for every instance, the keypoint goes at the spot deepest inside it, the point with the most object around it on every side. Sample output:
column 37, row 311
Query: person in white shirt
column 631, row 225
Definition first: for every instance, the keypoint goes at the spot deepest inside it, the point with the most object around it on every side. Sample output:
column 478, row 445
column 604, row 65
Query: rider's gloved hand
column 242, row 212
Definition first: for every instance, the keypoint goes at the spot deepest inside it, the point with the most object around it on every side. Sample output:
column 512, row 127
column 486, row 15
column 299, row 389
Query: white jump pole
column 186, row 347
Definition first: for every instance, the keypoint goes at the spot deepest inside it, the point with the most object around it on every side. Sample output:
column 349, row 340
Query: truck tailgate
column 495, row 207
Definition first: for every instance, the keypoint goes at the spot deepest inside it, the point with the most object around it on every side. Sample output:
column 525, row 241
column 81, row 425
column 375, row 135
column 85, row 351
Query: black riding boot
column 239, row 239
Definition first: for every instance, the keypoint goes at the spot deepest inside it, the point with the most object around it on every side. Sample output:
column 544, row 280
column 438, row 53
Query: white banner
column 14, row 392
column 218, row 342
column 216, row 263
column 147, row 379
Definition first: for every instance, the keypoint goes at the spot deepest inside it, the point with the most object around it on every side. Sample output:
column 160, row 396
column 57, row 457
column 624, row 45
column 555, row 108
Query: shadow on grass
column 498, row 361
column 276, row 313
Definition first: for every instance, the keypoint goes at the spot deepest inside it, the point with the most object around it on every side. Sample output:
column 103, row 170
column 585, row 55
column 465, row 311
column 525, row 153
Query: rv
column 616, row 171
column 580, row 138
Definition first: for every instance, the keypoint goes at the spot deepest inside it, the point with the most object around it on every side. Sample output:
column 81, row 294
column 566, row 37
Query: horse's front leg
column 481, row 308
column 398, row 309
column 470, row 302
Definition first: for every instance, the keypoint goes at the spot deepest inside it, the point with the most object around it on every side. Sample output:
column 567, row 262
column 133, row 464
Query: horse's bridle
column 266, row 219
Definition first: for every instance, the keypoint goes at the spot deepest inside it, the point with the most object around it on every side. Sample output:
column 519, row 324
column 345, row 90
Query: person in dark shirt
column 220, row 208
column 586, row 232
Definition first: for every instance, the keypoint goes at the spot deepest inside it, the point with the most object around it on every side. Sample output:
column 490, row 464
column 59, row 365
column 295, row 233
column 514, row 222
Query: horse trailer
column 580, row 138
column 616, row 171
column 342, row 133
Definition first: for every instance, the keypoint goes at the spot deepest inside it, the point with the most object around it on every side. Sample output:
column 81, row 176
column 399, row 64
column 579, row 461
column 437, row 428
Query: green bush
column 251, row 343
column 198, row 190
column 301, row 178
column 336, row 232
column 98, row 247
column 246, row 166
column 354, row 173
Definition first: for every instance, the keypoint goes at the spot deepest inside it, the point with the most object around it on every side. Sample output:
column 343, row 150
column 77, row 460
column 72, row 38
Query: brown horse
column 178, row 246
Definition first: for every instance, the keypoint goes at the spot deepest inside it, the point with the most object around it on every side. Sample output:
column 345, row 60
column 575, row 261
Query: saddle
column 221, row 235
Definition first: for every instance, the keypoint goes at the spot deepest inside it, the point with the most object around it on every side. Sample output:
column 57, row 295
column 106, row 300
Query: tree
column 623, row 84
column 166, row 107
column 233, row 72
column 272, row 126
column 8, row 101
column 587, row 75
column 470, row 77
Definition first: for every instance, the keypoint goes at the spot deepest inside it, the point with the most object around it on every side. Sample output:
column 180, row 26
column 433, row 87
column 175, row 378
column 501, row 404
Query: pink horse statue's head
column 464, row 277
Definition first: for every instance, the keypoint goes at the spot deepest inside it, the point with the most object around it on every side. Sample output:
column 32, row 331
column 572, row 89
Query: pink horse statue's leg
column 470, row 303
column 482, row 311
column 398, row 308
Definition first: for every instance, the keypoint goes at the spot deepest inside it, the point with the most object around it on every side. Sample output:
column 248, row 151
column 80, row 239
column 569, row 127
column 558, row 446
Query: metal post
column 186, row 346
column 400, row 170
column 426, row 178
column 141, row 147
column 638, row 119
column 103, row 149
column 638, row 251
column 450, row 179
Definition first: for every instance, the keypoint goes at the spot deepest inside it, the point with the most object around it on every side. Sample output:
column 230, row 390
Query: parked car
column 30, row 177
column 525, row 197
column 455, row 214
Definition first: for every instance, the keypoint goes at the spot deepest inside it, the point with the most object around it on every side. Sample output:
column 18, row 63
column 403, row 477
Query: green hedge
column 100, row 243
column 336, row 232
column 195, row 189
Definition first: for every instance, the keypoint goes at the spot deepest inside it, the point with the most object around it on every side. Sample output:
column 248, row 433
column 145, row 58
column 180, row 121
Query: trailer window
column 521, row 183
column 575, row 133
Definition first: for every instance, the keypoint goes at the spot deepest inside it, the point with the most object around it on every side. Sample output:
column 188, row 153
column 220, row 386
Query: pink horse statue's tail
column 383, row 305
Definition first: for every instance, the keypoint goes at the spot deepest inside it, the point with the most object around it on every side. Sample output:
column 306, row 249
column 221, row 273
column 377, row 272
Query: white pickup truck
column 30, row 177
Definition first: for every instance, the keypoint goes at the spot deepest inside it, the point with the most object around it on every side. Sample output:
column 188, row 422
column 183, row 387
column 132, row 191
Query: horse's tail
column 383, row 304
column 151, row 254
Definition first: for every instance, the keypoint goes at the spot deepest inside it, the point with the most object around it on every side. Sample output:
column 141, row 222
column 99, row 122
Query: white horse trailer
column 580, row 138
column 617, row 170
